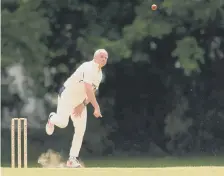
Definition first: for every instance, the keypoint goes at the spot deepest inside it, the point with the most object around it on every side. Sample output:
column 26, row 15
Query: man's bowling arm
column 86, row 101
column 91, row 95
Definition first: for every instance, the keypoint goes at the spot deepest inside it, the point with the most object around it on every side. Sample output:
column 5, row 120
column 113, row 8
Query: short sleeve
column 88, row 74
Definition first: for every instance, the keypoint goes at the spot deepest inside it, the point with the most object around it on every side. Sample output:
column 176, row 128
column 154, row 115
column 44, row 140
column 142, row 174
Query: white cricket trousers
column 66, row 104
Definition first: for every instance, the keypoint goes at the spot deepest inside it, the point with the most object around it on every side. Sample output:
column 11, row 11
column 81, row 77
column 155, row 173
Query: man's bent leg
column 64, row 109
column 61, row 118
column 80, row 128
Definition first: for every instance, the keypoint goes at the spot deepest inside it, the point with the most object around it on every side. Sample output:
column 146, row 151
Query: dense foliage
column 174, row 57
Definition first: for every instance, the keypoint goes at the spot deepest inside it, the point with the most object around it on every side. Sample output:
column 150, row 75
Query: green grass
column 155, row 162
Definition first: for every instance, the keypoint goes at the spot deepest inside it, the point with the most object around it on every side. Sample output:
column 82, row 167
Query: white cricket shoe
column 50, row 126
column 73, row 162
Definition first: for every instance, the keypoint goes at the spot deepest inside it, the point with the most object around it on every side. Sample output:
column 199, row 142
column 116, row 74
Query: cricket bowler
column 77, row 91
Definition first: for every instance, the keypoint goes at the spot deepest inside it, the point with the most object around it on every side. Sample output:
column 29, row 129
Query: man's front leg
column 79, row 131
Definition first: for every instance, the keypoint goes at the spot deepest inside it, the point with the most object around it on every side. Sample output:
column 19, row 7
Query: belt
column 62, row 90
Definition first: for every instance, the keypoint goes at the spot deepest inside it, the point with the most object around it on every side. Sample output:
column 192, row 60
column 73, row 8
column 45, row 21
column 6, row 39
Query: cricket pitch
column 166, row 171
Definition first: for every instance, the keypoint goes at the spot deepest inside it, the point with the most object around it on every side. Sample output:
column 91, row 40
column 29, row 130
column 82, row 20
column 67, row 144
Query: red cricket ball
column 154, row 7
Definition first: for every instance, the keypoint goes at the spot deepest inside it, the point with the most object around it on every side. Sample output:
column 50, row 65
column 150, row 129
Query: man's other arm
column 86, row 101
column 91, row 97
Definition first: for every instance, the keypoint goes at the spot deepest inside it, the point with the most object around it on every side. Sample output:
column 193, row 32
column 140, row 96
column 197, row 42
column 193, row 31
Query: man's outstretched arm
column 91, row 98
column 86, row 101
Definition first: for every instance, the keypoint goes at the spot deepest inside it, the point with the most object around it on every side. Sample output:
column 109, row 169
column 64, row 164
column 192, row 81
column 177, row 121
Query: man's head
column 100, row 57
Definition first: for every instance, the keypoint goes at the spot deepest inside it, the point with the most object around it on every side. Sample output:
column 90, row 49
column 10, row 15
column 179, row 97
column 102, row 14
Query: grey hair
column 99, row 51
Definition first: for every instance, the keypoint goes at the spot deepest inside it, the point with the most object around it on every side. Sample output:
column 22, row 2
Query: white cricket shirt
column 88, row 72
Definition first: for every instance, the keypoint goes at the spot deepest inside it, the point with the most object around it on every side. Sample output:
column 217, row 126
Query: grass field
column 168, row 166
column 147, row 162
column 155, row 162
column 169, row 171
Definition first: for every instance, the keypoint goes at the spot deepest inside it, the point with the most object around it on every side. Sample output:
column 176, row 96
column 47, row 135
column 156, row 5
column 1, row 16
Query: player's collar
column 96, row 65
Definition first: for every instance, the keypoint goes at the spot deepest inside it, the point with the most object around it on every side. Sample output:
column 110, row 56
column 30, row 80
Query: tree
column 192, row 28
column 24, row 32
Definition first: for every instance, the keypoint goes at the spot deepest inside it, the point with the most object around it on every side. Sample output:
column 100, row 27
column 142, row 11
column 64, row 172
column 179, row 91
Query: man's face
column 101, row 58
